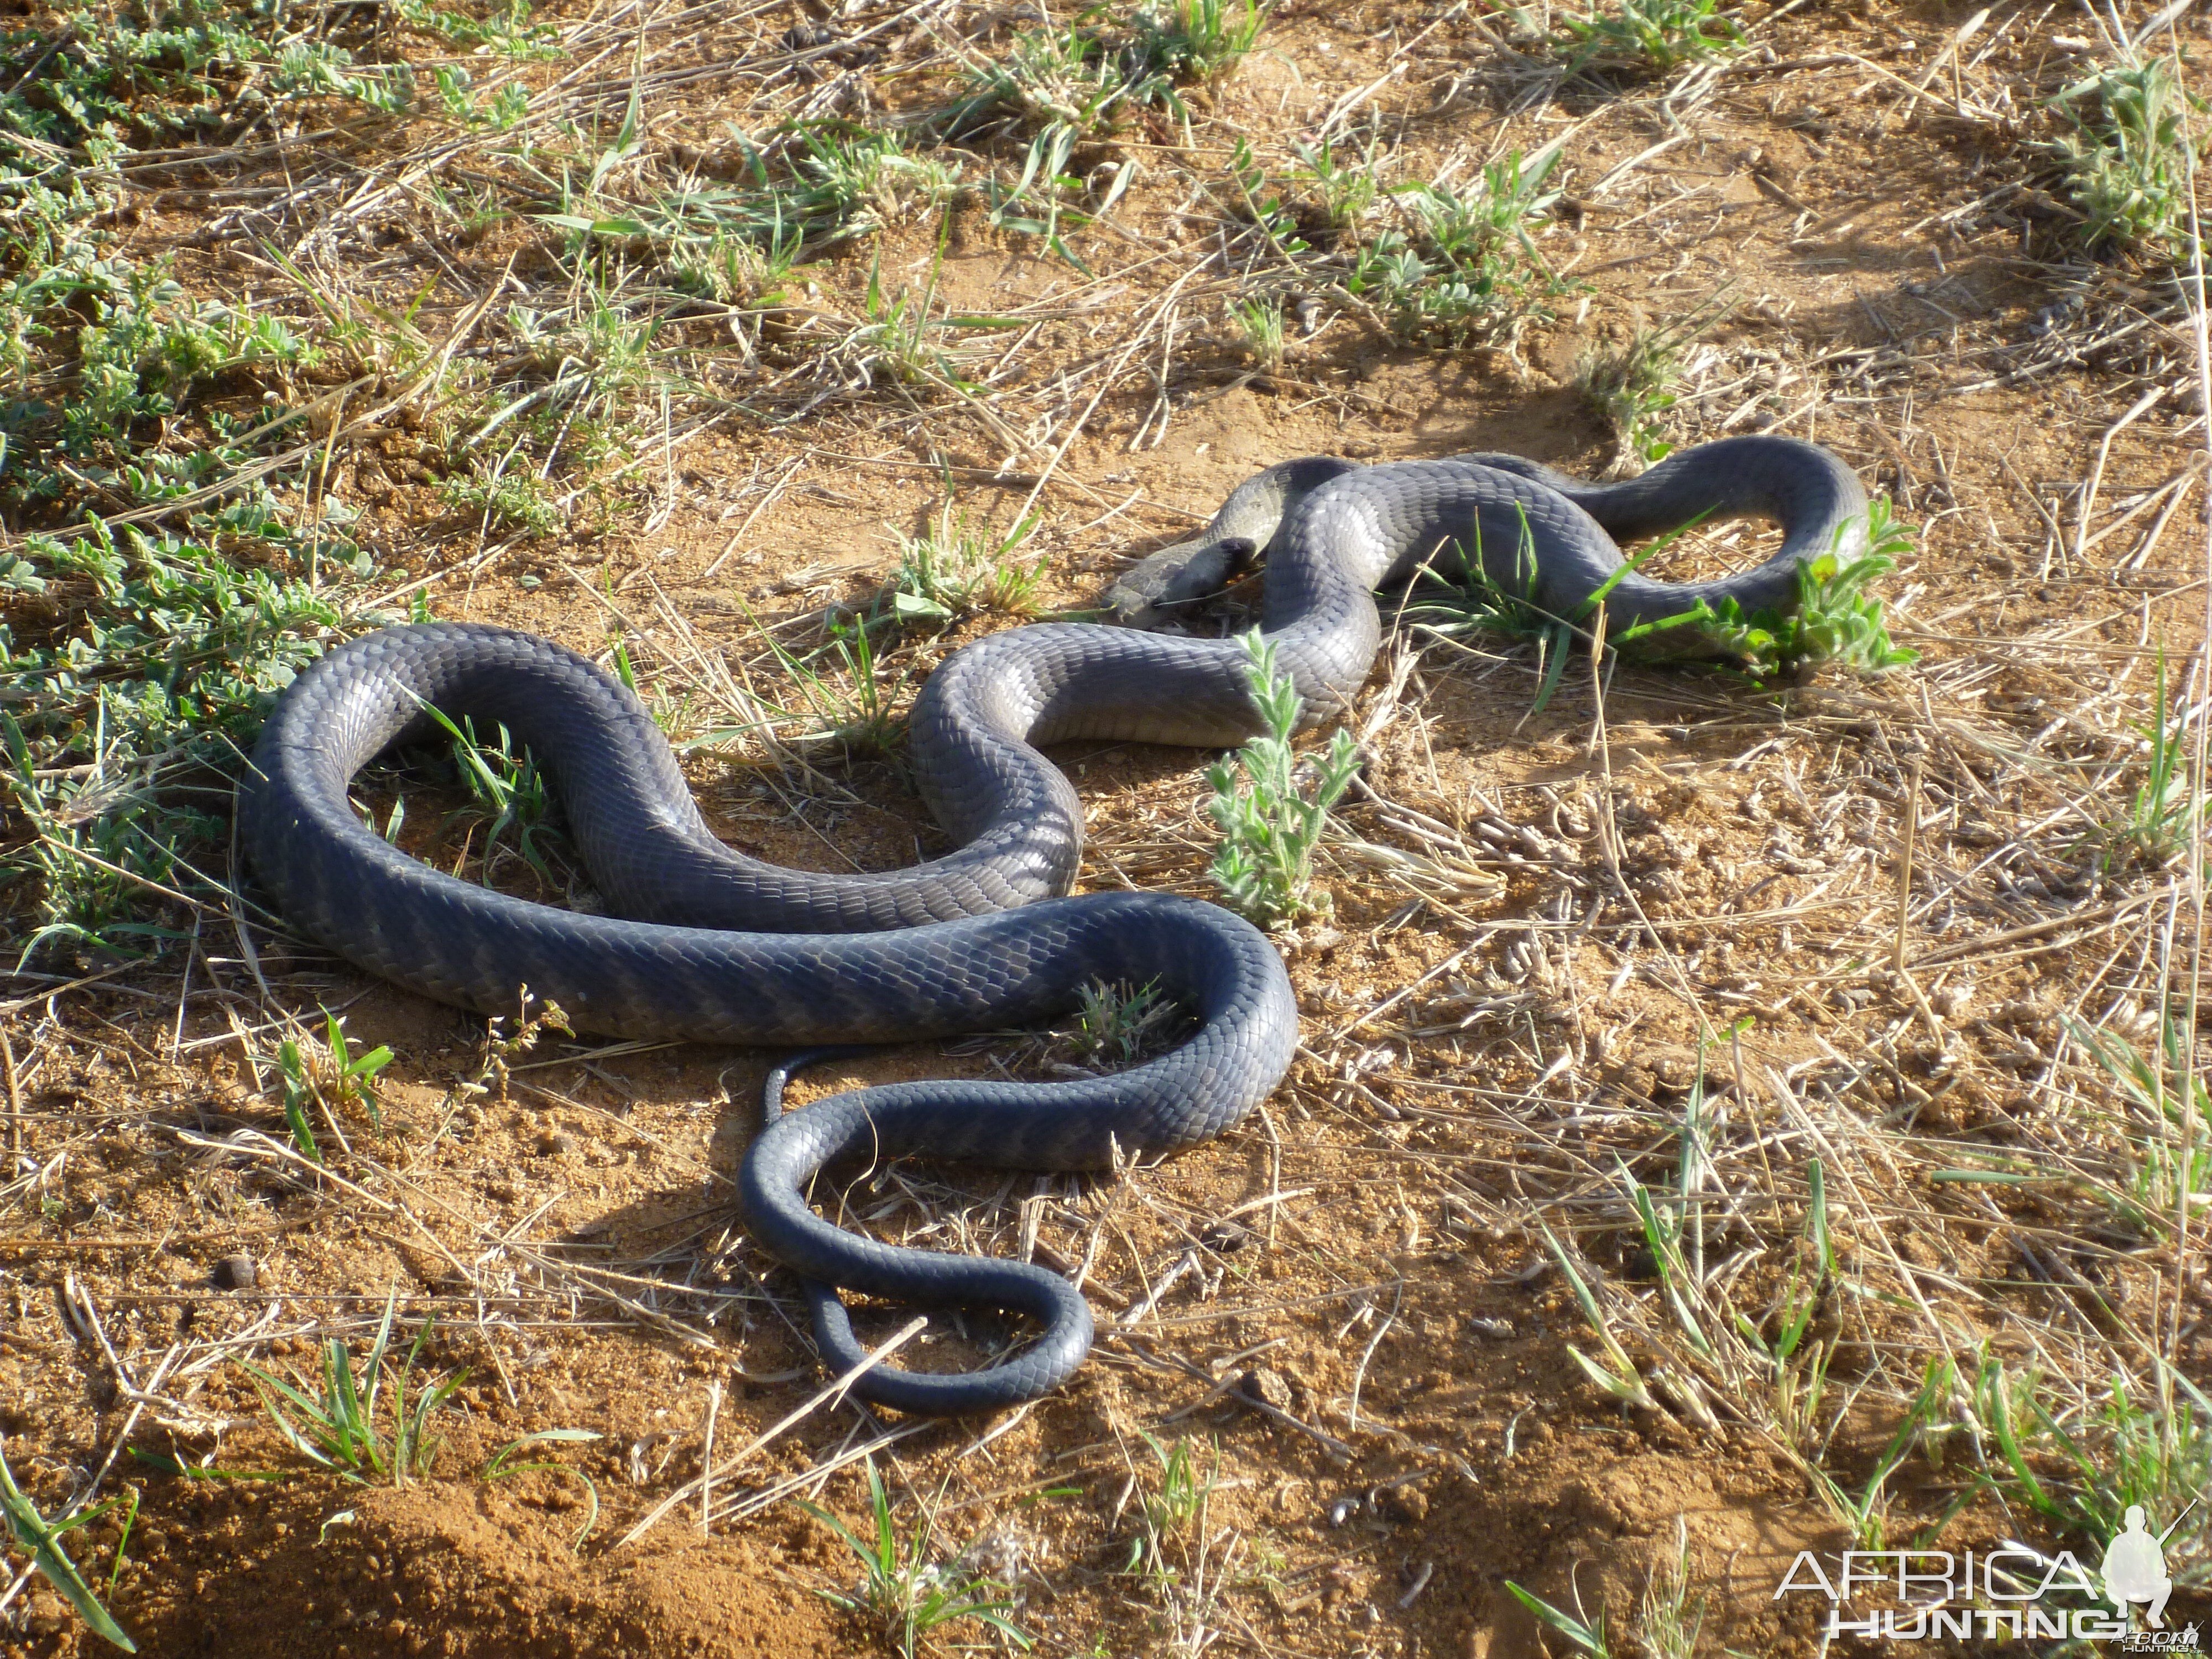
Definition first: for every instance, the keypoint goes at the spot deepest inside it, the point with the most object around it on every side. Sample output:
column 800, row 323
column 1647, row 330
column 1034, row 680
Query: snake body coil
column 703, row 943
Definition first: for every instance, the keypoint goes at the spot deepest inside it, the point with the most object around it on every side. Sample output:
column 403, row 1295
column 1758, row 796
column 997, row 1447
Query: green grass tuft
column 1465, row 267
column 2169, row 803
column 2080, row 1468
column 2161, row 1124
column 1198, row 41
column 42, row 1540
column 335, row 1424
column 906, row 1588
column 955, row 570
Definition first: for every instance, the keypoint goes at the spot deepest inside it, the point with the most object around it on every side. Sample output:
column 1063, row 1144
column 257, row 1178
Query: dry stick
column 269, row 1149
column 2137, row 560
column 1920, row 1003
column 2142, row 406
column 1359, row 1377
column 65, row 986
column 1609, row 836
column 767, row 502
column 2150, row 498
column 768, row 1497
column 2192, row 1126
column 836, row 1391
column 706, row 1458
column 15, row 1097
column 1904, row 862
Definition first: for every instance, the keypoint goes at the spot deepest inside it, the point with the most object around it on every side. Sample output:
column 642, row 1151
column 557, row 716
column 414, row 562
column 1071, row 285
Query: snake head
column 1175, row 577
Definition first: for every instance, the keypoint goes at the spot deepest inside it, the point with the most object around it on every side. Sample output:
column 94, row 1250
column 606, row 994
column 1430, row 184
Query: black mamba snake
column 702, row 943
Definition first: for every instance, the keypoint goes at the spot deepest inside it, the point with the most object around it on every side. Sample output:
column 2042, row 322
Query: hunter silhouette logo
column 2135, row 1567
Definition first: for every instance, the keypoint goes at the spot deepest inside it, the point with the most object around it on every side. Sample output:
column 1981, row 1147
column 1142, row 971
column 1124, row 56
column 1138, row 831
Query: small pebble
column 1407, row 1504
column 1265, row 1388
column 236, row 1272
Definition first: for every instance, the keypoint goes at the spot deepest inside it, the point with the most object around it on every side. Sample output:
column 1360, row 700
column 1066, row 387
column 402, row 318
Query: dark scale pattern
column 707, row 945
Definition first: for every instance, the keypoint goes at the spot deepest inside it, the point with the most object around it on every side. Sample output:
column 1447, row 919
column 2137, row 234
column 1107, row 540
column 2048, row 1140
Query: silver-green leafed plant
column 1269, row 825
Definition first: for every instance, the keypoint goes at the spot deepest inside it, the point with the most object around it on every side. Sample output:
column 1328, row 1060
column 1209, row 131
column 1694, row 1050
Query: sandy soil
column 1344, row 1312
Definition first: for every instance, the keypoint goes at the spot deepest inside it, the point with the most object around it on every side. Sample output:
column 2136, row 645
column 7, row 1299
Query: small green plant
column 1344, row 187
column 329, row 1075
column 868, row 724
column 1058, row 79
column 1630, row 386
column 1801, row 1295
column 507, row 788
column 1198, row 39
column 1182, row 1492
column 912, row 1594
column 1262, row 203
column 2165, row 1128
column 1669, row 1621
column 337, row 1427
column 1835, row 619
column 2169, row 804
column 1465, row 267
column 1672, row 1617
column 2110, row 1456
column 504, row 498
column 1865, row 1514
column 1260, row 323
column 1037, row 204
column 1170, row 1508
column 1587, row 1632
column 851, row 703
column 2127, row 161
column 1269, row 827
column 507, row 29
column 1069, row 86
column 42, row 1540
column 1616, row 1375
column 1116, row 1024
column 502, row 1465
column 1650, row 37
column 896, row 345
column 957, row 569
column 351, row 1079
column 861, row 179
column 167, row 652
column 1501, row 597
column 1762, row 1365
